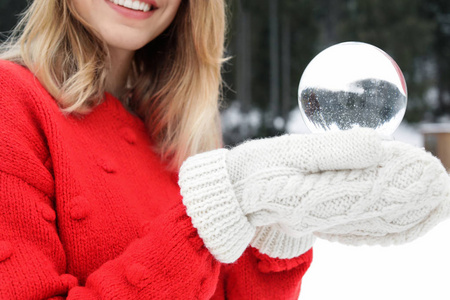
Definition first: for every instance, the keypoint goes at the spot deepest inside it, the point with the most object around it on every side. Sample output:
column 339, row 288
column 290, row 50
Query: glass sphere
column 350, row 85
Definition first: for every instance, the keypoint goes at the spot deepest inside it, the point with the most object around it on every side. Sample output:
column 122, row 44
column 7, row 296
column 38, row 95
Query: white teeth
column 135, row 5
column 128, row 3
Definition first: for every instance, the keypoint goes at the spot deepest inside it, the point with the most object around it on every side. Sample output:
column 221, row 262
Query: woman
column 101, row 101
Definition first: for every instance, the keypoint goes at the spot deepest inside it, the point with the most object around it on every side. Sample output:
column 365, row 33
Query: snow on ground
column 415, row 271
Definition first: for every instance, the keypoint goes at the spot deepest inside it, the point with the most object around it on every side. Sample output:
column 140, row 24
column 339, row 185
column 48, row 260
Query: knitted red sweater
column 87, row 211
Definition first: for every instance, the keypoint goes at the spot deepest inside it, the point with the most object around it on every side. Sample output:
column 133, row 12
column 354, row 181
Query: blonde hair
column 174, row 83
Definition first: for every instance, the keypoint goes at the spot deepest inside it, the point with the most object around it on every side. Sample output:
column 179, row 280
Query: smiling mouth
column 134, row 5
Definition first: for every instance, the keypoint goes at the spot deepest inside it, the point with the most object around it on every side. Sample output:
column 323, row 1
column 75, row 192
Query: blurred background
column 271, row 42
column 269, row 45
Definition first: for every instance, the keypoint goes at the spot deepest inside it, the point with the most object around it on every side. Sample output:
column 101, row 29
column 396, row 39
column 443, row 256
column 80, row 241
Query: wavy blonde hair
column 174, row 82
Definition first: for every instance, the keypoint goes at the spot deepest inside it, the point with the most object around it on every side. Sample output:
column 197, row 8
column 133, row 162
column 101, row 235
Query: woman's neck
column 120, row 67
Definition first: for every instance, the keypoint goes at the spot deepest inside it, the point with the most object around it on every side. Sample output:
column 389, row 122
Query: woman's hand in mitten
column 407, row 194
column 263, row 183
column 394, row 201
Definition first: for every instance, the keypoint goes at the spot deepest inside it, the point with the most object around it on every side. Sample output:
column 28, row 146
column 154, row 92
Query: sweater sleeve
column 168, row 261
column 258, row 276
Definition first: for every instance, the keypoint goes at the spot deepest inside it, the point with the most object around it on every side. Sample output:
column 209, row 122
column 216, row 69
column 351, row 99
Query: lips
column 134, row 9
column 137, row 5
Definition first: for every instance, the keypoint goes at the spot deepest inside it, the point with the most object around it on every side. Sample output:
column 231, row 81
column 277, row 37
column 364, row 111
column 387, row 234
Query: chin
column 132, row 46
column 129, row 43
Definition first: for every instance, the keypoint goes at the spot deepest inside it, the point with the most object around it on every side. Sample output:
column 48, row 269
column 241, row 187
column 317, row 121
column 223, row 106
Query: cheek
column 171, row 11
column 90, row 12
column 82, row 7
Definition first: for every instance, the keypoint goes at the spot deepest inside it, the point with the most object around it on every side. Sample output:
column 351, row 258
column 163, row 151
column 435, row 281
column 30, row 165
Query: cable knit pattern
column 88, row 211
column 345, row 186
column 410, row 195
column 390, row 203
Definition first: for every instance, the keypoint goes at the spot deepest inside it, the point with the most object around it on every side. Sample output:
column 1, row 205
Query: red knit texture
column 88, row 211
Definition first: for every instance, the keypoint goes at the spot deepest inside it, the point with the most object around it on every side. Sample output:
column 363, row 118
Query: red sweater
column 88, row 211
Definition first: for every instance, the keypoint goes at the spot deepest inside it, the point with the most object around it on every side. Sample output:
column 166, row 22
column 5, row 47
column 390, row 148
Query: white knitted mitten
column 347, row 186
column 222, row 188
column 398, row 200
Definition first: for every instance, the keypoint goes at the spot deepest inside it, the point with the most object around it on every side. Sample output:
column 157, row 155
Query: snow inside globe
column 350, row 85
